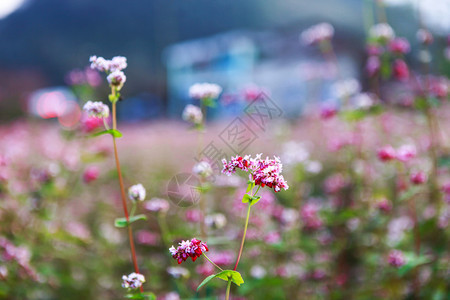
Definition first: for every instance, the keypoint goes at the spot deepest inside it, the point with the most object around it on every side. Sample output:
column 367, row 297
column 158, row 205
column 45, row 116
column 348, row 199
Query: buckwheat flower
column 193, row 249
column 90, row 174
column 382, row 32
column 202, row 169
column 216, row 221
column 157, row 205
column 317, row 34
column 177, row 272
column 424, row 36
column 418, row 177
column 387, row 153
column 406, row 152
column 328, row 111
column 396, row 258
column 384, row 205
column 133, row 281
column 253, row 92
column 400, row 70
column 96, row 109
column 264, row 172
column 399, row 46
column 137, row 192
column 193, row 114
column 118, row 63
column 363, row 100
column 205, row 90
column 258, row 272
column 99, row 63
column 117, row 79
column 346, row 88
column 373, row 65
column 309, row 214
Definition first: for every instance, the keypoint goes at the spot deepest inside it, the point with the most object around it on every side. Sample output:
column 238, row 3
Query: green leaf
column 113, row 132
column 114, row 98
column 421, row 103
column 122, row 222
column 251, row 185
column 144, row 296
column 353, row 115
column 235, row 277
column 255, row 200
column 246, row 198
column 205, row 281
column 412, row 261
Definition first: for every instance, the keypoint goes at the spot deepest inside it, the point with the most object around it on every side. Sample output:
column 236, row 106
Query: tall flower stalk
column 116, row 79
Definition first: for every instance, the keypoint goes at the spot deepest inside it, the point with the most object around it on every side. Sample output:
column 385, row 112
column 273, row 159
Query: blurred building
column 292, row 73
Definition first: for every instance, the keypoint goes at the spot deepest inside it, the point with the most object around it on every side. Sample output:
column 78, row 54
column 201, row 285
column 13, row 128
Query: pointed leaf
column 143, row 296
column 255, row 200
column 235, row 276
column 206, row 280
column 113, row 132
column 246, row 198
column 250, row 186
column 122, row 222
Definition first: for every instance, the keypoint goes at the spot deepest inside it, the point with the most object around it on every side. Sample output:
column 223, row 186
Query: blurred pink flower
column 145, row 237
column 90, row 174
column 418, row 177
column 406, row 152
column 373, row 65
column 396, row 258
column 193, row 215
column 399, row 46
column 384, row 205
column 400, row 70
column 386, row 153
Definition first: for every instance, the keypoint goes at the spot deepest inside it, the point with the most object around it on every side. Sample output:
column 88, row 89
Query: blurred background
column 359, row 123
column 172, row 45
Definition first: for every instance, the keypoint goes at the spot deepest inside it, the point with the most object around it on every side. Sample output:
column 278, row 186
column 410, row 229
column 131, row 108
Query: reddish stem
column 124, row 198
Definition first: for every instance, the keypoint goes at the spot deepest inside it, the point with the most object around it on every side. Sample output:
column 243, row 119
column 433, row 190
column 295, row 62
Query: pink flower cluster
column 404, row 154
column 262, row 171
column 310, row 217
column 396, row 258
column 193, row 249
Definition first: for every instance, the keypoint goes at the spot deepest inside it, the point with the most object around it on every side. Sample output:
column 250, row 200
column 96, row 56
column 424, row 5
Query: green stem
column 212, row 262
column 133, row 209
column 243, row 236
column 227, row 295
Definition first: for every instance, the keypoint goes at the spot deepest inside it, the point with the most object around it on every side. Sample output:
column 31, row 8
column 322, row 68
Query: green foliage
column 122, row 222
column 225, row 275
column 113, row 132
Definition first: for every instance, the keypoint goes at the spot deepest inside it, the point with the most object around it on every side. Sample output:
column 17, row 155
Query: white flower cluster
column 317, row 34
column 193, row 114
column 96, row 109
column 205, row 91
column 382, row 31
column 117, row 63
column 202, row 169
column 346, row 88
column 117, row 79
column 133, row 281
column 137, row 192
